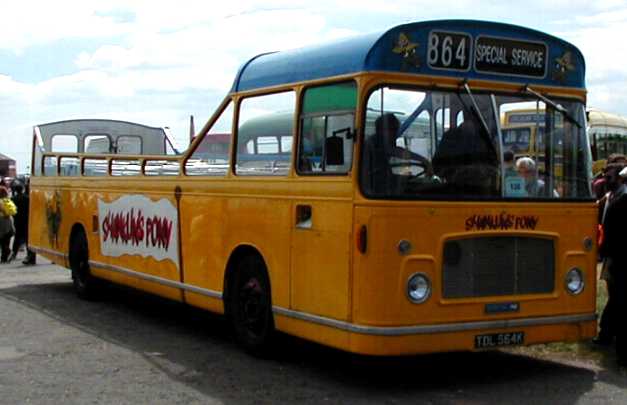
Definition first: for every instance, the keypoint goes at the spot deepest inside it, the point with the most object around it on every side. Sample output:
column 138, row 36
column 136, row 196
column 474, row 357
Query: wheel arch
column 238, row 254
column 77, row 228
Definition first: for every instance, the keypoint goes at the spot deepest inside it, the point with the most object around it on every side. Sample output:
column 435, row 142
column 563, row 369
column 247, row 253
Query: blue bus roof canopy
column 454, row 48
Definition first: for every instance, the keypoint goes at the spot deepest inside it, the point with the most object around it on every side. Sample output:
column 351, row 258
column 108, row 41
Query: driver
column 381, row 147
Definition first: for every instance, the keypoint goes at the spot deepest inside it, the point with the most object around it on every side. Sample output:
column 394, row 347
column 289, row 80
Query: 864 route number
column 449, row 50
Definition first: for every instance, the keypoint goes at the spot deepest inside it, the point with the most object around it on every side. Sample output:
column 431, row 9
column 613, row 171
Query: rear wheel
column 249, row 305
column 84, row 282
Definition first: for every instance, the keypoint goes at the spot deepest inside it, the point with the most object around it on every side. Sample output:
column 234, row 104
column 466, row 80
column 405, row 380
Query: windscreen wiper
column 475, row 108
column 553, row 104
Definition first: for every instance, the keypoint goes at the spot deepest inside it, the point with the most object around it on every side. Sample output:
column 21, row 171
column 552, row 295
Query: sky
column 157, row 64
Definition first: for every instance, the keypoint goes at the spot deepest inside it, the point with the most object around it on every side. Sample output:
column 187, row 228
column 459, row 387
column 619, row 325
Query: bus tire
column 249, row 306
column 84, row 283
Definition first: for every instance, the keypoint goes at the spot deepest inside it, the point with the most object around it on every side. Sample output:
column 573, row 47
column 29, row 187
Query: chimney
column 192, row 131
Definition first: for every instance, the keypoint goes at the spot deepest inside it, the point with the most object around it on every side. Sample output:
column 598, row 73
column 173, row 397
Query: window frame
column 141, row 145
column 433, row 88
column 76, row 138
column 201, row 135
column 88, row 135
column 351, row 169
column 236, row 133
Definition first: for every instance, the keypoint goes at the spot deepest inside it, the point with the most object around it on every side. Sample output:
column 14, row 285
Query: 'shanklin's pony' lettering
column 131, row 227
column 502, row 221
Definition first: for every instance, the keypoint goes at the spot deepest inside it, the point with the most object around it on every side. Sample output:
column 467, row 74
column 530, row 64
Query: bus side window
column 97, row 143
column 70, row 166
column 327, row 118
column 211, row 156
column 65, row 143
column 129, row 145
column 38, row 150
column 264, row 133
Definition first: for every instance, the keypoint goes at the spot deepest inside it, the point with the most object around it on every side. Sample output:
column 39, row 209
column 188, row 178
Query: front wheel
column 83, row 281
column 249, row 306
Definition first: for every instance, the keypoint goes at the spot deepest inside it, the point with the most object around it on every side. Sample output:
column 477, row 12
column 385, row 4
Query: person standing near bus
column 610, row 182
column 7, row 229
column 599, row 186
column 612, row 250
column 20, row 199
column 607, row 329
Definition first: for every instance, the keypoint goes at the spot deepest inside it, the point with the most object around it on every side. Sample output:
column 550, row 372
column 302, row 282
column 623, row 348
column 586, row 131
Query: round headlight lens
column 574, row 281
column 418, row 288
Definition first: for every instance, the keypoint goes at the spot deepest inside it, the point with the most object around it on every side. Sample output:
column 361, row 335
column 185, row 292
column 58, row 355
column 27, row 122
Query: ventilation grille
column 493, row 266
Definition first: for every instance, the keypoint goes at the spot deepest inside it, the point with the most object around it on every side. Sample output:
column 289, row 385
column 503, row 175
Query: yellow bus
column 608, row 135
column 523, row 131
column 523, row 135
column 363, row 202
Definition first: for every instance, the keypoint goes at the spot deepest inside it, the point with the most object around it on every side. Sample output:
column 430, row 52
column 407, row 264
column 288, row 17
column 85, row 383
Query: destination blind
column 531, row 118
column 512, row 57
column 454, row 51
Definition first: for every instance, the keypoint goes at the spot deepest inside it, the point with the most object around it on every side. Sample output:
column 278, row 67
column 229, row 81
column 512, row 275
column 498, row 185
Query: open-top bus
column 362, row 203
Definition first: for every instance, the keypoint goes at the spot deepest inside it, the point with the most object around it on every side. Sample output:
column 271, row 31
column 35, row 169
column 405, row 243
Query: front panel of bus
column 459, row 248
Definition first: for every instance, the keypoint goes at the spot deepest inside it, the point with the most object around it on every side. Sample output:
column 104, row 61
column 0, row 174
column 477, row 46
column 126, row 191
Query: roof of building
column 404, row 49
column 5, row 157
column 596, row 117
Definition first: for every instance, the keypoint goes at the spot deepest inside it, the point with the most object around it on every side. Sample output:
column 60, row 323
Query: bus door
column 321, row 236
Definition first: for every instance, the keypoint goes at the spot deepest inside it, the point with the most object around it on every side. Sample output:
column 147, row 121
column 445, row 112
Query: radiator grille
column 493, row 266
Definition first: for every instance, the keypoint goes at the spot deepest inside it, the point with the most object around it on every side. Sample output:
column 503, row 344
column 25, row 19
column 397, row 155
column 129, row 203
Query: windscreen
column 422, row 144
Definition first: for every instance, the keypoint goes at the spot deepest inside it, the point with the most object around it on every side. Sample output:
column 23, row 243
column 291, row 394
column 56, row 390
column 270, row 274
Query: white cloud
column 108, row 57
column 28, row 23
column 202, row 56
column 601, row 38
column 9, row 87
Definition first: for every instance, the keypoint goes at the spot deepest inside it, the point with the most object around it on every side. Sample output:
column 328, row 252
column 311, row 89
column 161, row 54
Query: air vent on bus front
column 494, row 266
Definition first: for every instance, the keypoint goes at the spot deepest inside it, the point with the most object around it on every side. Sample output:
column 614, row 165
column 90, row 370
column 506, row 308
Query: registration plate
column 499, row 339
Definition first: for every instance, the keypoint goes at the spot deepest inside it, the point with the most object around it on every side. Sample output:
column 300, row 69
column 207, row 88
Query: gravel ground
column 131, row 348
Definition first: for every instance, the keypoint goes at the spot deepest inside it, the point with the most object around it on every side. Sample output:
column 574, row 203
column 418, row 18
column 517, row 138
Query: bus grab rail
column 109, row 158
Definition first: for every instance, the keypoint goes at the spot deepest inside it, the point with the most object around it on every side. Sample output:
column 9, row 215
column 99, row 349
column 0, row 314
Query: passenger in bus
column 509, row 167
column 466, row 158
column 380, row 148
column 534, row 186
column 514, row 183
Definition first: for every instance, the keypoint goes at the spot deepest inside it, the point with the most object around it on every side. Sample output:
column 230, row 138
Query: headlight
column 418, row 288
column 574, row 281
